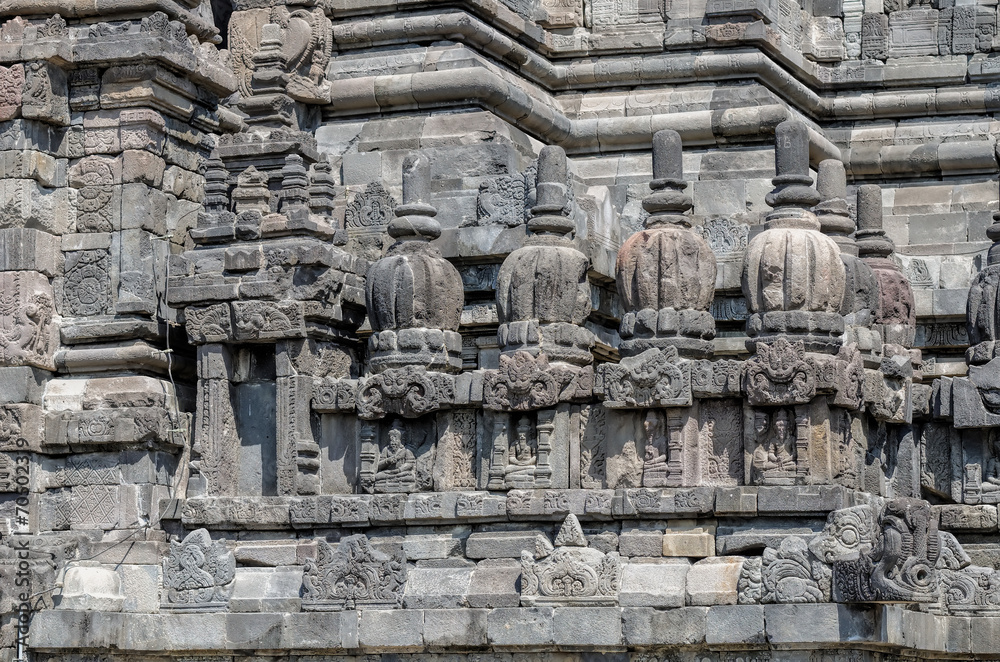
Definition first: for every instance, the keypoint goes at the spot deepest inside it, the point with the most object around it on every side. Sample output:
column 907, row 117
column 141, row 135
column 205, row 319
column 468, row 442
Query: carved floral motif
column 572, row 574
column 354, row 576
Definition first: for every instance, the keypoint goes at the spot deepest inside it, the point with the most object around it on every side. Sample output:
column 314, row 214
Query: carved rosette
column 410, row 392
column 655, row 378
column 354, row 576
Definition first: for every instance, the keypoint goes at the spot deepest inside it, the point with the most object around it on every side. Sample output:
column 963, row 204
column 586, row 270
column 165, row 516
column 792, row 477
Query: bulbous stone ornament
column 543, row 295
column 414, row 295
column 861, row 297
column 983, row 308
column 666, row 272
column 793, row 275
column 896, row 316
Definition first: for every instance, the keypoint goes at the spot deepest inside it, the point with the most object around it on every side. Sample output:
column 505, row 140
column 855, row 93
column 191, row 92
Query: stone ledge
column 445, row 508
column 788, row 626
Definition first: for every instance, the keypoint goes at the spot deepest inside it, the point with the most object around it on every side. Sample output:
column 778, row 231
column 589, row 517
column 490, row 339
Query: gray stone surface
column 338, row 329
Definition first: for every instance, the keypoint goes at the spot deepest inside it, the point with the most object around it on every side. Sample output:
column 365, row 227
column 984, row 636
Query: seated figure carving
column 521, row 460
column 774, row 457
column 397, row 465
column 654, row 466
column 991, row 470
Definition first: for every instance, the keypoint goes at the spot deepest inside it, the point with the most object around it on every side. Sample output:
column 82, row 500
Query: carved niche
column 981, row 482
column 572, row 574
column 354, row 576
column 720, row 442
column 397, row 457
column 521, row 456
column 198, row 573
column 777, row 438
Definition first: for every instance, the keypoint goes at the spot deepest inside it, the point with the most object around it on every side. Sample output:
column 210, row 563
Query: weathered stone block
column 713, row 581
column 645, row 626
column 455, row 627
column 436, row 588
column 394, row 629
column 735, row 624
column 581, row 627
column 495, row 586
column 520, row 627
column 660, row 584
column 819, row 623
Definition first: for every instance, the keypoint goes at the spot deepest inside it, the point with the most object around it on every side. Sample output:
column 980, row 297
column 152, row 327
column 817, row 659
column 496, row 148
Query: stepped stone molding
column 536, row 328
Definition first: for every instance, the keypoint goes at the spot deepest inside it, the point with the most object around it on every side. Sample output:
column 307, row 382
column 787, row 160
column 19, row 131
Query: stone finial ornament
column 793, row 276
column 666, row 272
column 983, row 308
column 896, row 315
column 861, row 298
column 543, row 295
column 415, row 296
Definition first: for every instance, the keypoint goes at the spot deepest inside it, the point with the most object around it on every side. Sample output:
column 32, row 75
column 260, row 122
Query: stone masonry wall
column 561, row 330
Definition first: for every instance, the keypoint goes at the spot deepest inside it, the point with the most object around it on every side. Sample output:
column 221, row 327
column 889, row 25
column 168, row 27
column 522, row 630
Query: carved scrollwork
column 572, row 573
column 653, row 378
column 410, row 391
column 353, row 576
column 198, row 573
column 779, row 374
column 335, row 396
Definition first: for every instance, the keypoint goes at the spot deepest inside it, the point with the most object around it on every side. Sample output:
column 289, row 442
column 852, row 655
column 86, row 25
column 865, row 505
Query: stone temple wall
column 499, row 331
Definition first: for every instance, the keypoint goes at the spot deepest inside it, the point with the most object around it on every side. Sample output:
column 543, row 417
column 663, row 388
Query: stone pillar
column 415, row 299
column 543, row 300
